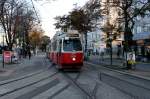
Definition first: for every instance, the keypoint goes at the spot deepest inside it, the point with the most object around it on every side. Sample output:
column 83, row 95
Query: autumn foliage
column 35, row 37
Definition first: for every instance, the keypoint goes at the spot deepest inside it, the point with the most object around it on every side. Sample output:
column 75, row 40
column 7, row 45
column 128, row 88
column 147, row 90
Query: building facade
column 98, row 38
column 142, row 36
column 95, row 41
column 1, row 36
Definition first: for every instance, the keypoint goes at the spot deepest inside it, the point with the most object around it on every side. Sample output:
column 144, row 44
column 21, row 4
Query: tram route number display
column 7, row 56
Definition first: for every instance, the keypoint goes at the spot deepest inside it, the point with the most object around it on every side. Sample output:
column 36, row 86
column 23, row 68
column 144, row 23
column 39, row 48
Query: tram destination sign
column 73, row 35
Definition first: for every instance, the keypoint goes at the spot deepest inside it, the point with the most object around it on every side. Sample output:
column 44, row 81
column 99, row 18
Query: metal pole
column 3, row 51
column 111, row 52
column 23, row 45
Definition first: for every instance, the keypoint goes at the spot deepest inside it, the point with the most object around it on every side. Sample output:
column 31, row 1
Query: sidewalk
column 116, row 63
column 25, row 65
column 142, row 69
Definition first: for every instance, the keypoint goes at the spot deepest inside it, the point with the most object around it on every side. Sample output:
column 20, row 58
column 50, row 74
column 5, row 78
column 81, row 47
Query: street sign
column 7, row 56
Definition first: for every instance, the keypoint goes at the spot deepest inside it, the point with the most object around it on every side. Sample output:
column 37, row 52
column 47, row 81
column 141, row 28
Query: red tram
column 66, row 51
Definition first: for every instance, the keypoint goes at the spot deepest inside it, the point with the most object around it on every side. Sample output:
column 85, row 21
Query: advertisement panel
column 131, row 58
column 7, row 56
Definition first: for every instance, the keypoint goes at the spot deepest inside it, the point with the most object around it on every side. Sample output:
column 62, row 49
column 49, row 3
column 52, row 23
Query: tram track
column 91, row 93
column 104, row 70
column 123, row 82
column 78, row 86
column 75, row 81
column 26, row 76
column 13, row 85
column 100, row 79
column 8, row 90
column 94, row 92
column 20, row 78
column 97, row 82
column 47, row 62
column 100, row 72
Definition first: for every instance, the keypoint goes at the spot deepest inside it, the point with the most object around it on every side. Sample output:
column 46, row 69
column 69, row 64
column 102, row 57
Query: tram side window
column 59, row 46
column 0, row 50
column 54, row 46
column 72, row 45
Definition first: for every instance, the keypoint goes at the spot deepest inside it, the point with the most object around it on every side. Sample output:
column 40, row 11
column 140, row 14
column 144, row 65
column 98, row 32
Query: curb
column 107, row 65
column 122, row 72
column 143, row 62
column 148, row 62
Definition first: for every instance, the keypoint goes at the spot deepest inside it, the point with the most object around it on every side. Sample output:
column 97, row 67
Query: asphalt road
column 41, row 80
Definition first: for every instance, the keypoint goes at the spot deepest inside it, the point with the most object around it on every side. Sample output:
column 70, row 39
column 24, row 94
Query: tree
column 129, row 10
column 14, row 20
column 77, row 20
column 35, row 37
column 93, row 10
column 8, row 20
column 63, row 22
column 80, row 19
column 108, row 29
column 45, row 40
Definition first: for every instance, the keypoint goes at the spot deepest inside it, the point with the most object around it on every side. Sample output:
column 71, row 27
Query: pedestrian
column 34, row 51
column 119, row 50
column 19, row 53
column 26, row 53
column 29, row 53
column 102, row 51
column 102, row 56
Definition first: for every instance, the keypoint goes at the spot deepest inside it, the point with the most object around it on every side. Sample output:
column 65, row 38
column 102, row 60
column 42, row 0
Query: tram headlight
column 73, row 59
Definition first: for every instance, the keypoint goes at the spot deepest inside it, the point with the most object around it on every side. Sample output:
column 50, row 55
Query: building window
column 139, row 29
column 138, row 17
column 148, row 27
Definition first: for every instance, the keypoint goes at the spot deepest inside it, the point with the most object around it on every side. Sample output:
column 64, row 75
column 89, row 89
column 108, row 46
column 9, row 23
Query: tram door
column 59, row 52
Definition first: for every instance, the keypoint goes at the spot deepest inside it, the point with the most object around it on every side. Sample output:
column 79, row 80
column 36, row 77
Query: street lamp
column 3, row 51
column 110, row 41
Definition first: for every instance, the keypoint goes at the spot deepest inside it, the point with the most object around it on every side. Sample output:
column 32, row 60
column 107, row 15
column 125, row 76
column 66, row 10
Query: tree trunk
column 127, row 37
column 127, row 33
column 85, row 36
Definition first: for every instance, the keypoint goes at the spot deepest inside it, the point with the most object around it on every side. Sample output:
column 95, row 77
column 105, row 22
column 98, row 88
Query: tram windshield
column 72, row 45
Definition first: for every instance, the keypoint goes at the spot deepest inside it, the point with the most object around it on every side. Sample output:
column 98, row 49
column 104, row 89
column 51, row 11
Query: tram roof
column 61, row 34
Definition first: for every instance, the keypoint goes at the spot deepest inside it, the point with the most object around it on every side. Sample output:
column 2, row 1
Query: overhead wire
column 35, row 11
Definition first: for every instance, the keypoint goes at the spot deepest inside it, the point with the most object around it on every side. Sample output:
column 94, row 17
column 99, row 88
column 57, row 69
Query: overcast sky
column 48, row 10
